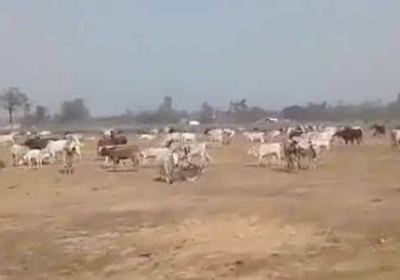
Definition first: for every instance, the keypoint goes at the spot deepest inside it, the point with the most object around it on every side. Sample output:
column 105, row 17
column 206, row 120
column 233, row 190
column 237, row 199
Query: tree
column 12, row 100
column 41, row 114
column 295, row 112
column 238, row 106
column 74, row 110
column 206, row 114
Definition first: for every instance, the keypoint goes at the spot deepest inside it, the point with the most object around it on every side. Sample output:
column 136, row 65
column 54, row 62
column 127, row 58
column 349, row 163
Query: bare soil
column 237, row 221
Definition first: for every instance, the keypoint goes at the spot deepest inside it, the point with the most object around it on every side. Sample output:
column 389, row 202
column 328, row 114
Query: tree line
column 366, row 111
column 13, row 101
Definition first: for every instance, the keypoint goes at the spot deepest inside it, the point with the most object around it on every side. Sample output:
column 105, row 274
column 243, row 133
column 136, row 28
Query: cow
column 56, row 148
column 295, row 133
column 176, row 162
column 147, row 137
column 309, row 151
column 194, row 123
column 111, row 141
column 121, row 152
column 178, row 137
column 168, row 162
column 38, row 143
column 199, row 150
column 44, row 133
column 188, row 137
column 37, row 155
column 150, row 153
column 18, row 152
column 264, row 150
column 349, row 134
column 295, row 151
column 254, row 137
column 70, row 150
column 292, row 155
column 274, row 134
column 395, row 137
column 7, row 139
column 378, row 130
column 322, row 144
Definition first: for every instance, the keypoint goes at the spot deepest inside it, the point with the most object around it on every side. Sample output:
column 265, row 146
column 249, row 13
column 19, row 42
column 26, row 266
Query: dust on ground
column 237, row 221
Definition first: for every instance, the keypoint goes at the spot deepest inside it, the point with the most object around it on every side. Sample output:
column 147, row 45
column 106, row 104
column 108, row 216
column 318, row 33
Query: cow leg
column 299, row 163
column 260, row 160
column 115, row 163
column 105, row 164
column 313, row 164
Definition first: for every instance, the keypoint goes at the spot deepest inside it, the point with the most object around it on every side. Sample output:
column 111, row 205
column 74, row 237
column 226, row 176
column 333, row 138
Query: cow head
column 252, row 151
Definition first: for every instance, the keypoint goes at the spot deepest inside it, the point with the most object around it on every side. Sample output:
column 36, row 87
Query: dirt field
column 236, row 222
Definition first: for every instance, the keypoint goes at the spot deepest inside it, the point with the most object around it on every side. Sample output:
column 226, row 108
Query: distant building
column 167, row 104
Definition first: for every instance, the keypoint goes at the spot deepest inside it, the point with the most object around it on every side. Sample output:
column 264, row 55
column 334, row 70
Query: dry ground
column 236, row 222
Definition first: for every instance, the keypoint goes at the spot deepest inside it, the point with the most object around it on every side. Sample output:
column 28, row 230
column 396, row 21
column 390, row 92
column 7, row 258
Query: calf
column 37, row 155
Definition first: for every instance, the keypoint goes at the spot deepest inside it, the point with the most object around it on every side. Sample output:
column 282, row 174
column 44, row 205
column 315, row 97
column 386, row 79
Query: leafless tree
column 12, row 100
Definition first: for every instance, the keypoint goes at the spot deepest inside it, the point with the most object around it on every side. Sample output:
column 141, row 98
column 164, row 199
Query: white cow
column 37, row 155
column 322, row 144
column 197, row 150
column 55, row 148
column 266, row 149
column 177, row 137
column 151, row 153
column 273, row 134
column 189, row 137
column 168, row 162
column 147, row 137
column 107, row 132
column 395, row 137
column 44, row 133
column 18, row 152
column 7, row 139
column 254, row 137
column 230, row 133
column 194, row 123
column 170, row 138
column 215, row 135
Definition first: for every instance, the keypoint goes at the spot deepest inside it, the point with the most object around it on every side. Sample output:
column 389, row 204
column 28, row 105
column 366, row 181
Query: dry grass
column 235, row 222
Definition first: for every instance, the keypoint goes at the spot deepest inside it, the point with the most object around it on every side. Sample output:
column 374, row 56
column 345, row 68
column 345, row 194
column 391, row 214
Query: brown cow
column 118, row 139
column 118, row 153
column 350, row 134
column 38, row 143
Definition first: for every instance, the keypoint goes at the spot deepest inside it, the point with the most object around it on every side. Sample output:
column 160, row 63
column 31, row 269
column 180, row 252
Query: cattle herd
column 185, row 155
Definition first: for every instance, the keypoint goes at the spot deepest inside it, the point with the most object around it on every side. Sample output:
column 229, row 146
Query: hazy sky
column 128, row 54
